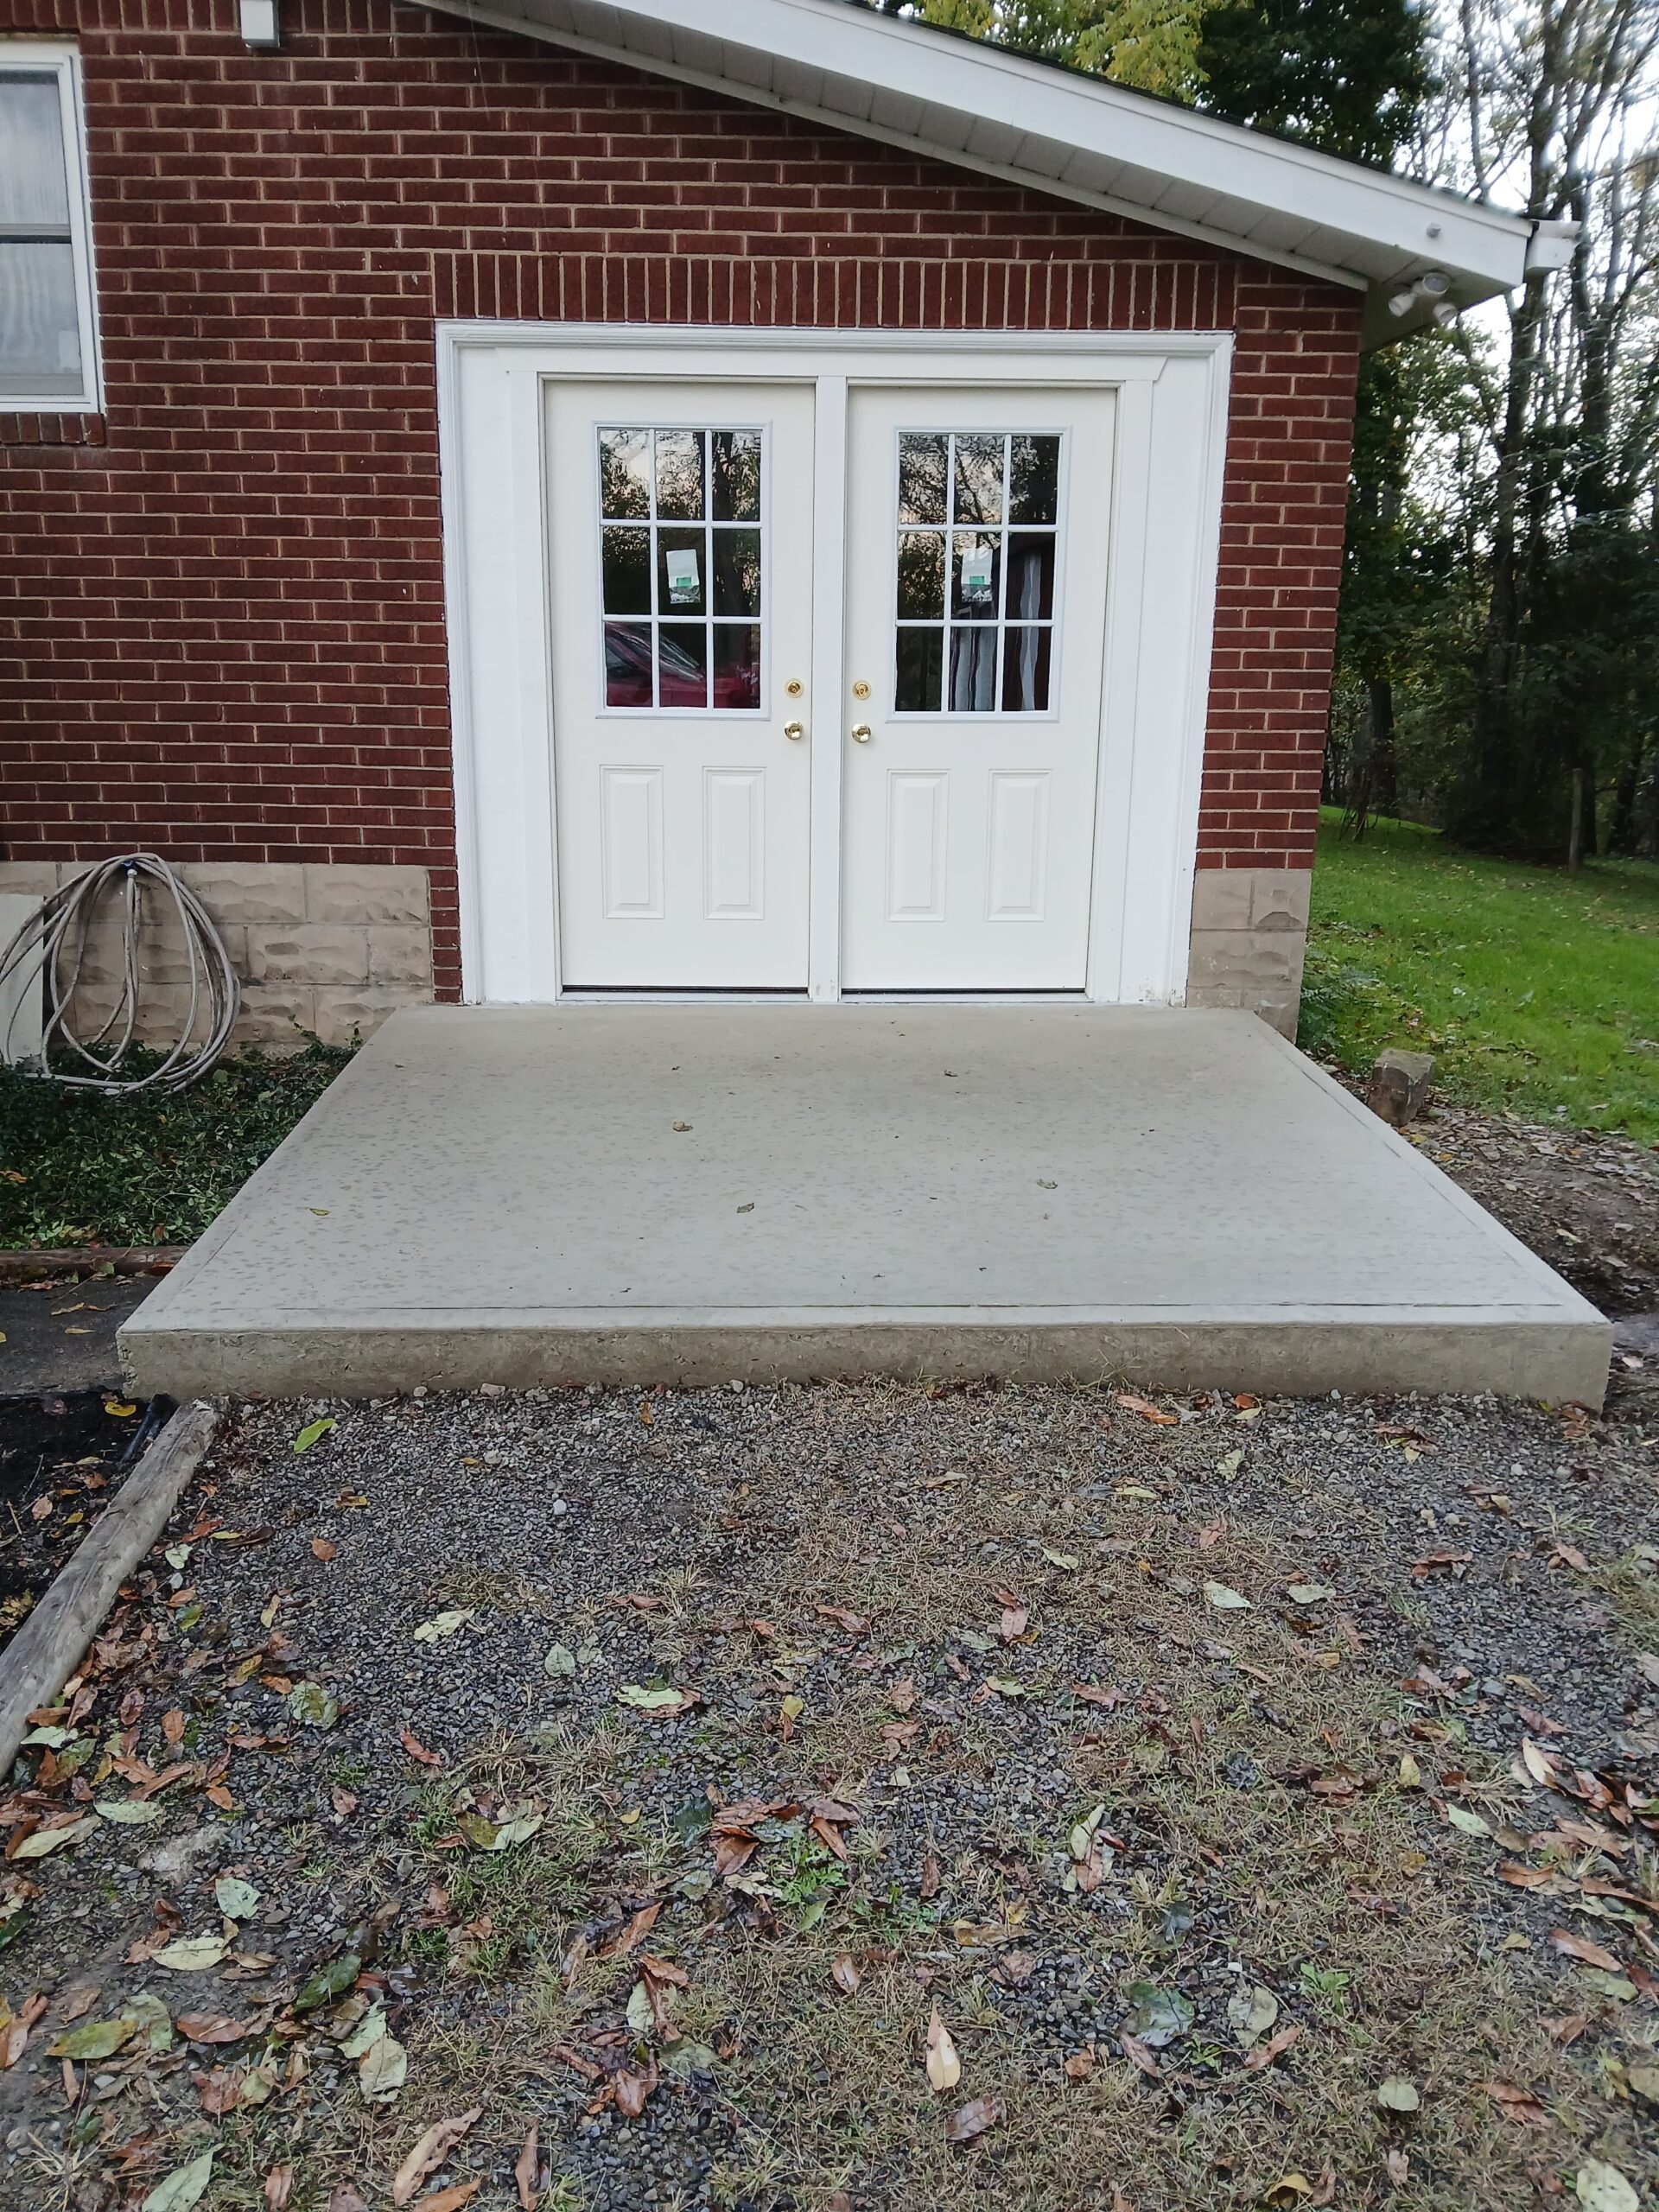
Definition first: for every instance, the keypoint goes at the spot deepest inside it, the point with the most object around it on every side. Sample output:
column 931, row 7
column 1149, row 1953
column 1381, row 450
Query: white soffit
column 1056, row 130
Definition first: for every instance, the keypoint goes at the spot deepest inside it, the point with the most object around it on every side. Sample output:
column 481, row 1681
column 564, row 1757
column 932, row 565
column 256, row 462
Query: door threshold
column 693, row 995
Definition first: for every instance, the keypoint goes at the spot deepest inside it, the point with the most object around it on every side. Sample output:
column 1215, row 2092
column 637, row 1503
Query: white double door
column 963, row 710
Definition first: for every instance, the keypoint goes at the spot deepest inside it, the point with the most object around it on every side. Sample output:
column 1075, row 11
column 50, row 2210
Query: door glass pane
column 979, row 480
column 973, row 671
column 695, row 586
column 1034, row 480
column 737, row 572
column 1025, row 672
column 679, row 475
column 960, row 495
column 624, row 472
column 737, row 665
column 682, row 562
column 1031, row 576
column 626, row 554
column 627, row 664
column 923, row 463
column 975, row 576
column 921, row 575
column 682, row 664
column 734, row 476
column 921, row 670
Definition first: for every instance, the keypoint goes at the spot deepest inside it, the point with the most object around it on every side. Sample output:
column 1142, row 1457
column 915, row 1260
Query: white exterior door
column 976, row 592
column 679, row 566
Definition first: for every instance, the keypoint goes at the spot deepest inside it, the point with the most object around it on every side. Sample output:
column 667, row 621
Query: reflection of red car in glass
column 682, row 676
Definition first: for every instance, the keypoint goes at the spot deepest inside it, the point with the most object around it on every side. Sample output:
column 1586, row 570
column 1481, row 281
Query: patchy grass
column 1536, row 991
column 80, row 1168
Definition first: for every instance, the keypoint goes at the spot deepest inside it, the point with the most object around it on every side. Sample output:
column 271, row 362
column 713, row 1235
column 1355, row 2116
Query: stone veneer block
column 401, row 955
column 271, row 892
column 1249, row 935
column 317, row 952
column 367, row 897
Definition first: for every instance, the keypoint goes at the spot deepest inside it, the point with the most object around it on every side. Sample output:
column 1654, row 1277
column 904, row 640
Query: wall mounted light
column 1432, row 285
column 261, row 28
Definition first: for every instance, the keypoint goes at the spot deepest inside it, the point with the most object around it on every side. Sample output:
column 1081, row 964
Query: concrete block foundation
column 324, row 952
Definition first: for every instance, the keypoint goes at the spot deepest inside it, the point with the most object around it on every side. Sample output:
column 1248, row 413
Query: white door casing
column 1168, row 394
column 978, row 557
column 680, row 586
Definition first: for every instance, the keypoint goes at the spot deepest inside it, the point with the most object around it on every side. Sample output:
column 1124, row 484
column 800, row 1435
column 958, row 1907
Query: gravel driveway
column 858, row 1797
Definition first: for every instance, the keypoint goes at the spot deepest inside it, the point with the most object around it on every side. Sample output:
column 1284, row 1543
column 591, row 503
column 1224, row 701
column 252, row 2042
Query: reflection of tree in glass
column 627, row 571
column 921, row 575
column 679, row 475
column 1033, row 479
column 921, row 477
column 737, row 571
column 735, row 476
column 624, row 472
column 979, row 480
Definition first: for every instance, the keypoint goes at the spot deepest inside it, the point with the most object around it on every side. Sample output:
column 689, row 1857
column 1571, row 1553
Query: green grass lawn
column 1534, row 990
column 77, row 1168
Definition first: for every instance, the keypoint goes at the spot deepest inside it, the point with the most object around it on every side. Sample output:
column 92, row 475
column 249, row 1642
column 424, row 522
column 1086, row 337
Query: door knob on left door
column 861, row 732
column 794, row 729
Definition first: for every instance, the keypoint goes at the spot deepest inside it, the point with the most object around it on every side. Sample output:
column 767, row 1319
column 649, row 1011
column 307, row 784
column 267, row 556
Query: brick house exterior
column 227, row 620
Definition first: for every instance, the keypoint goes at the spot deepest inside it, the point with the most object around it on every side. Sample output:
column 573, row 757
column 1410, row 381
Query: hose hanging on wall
column 53, row 944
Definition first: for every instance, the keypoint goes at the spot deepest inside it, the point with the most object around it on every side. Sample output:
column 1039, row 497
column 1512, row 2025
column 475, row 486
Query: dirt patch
column 63, row 1455
column 653, row 1772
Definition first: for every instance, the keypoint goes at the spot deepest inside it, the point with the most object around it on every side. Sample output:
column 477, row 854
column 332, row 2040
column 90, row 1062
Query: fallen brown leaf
column 1138, row 2054
column 633, row 2089
column 323, row 1549
column 854, row 1624
column 1275, row 2047
column 451, row 2200
column 845, row 1974
column 1080, row 2064
column 974, row 2119
column 279, row 2184
column 1588, row 1954
column 429, row 2152
column 1516, row 2104
column 527, row 2169
column 416, row 1750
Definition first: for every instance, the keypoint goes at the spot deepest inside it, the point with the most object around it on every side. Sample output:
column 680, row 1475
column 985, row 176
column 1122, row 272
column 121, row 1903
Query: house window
column 978, row 528
column 680, row 564
column 48, row 342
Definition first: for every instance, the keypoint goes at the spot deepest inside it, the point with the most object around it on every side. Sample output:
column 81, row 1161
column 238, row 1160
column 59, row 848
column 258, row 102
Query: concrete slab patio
column 694, row 1194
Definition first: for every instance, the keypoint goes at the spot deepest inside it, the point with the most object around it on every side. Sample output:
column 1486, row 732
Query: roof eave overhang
column 1077, row 138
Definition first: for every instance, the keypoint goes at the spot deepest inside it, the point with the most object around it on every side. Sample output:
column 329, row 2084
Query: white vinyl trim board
column 1171, row 391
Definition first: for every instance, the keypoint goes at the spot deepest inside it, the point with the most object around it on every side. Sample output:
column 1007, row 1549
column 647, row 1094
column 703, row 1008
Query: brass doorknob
column 794, row 729
column 861, row 732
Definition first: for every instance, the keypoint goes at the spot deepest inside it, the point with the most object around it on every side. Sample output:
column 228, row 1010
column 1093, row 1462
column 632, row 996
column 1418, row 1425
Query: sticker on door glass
column 682, row 568
column 976, row 576
column 684, row 588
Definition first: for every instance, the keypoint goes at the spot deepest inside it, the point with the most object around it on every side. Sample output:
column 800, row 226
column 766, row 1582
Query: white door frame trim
column 1173, row 389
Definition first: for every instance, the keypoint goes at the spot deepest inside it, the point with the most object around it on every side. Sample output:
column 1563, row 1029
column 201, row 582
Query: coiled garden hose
column 53, row 944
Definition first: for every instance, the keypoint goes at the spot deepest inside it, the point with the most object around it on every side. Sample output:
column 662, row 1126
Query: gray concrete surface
column 1175, row 1197
column 63, row 1338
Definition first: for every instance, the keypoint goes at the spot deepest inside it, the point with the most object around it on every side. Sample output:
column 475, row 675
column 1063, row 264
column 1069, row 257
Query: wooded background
column 1498, row 655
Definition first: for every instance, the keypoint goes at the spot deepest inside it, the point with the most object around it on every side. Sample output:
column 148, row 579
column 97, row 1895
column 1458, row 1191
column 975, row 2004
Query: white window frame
column 38, row 58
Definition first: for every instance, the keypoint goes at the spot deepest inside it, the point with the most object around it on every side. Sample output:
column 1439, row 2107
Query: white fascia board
column 880, row 76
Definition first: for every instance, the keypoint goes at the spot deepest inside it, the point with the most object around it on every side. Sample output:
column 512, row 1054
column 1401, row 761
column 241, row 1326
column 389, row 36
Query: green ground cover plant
column 78, row 1168
column 1536, row 991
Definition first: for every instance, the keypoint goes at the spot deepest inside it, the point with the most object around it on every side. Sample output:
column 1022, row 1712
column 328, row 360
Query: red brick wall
column 227, row 616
